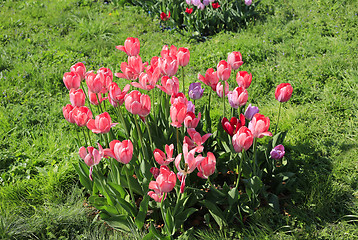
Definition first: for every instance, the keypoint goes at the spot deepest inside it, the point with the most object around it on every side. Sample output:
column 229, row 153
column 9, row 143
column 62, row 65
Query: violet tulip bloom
column 195, row 91
column 283, row 92
column 243, row 139
column 278, row 152
column 131, row 46
column 238, row 97
column 251, row 111
column 121, row 151
column 190, row 107
column 101, row 124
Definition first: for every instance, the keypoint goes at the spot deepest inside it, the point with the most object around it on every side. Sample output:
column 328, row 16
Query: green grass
column 311, row 46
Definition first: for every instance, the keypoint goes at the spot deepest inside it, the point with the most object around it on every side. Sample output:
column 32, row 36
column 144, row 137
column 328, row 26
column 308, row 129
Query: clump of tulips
column 156, row 162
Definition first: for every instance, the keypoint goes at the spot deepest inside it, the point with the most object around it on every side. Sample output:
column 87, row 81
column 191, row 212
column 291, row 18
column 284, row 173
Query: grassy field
column 313, row 46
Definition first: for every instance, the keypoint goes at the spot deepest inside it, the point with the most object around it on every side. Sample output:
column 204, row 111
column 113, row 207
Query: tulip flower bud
column 283, row 92
column 195, row 91
column 235, row 60
column 251, row 111
column 77, row 97
column 278, row 152
column 243, row 139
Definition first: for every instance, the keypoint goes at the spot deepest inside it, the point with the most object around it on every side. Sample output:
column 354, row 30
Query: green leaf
column 83, row 172
column 143, row 208
column 216, row 213
column 127, row 206
column 183, row 216
column 169, row 222
column 117, row 189
column 118, row 222
column 273, row 202
column 136, row 187
column 233, row 196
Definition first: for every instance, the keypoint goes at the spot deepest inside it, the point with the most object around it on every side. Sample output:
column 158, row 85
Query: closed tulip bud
column 177, row 114
column 207, row 166
column 82, row 115
column 243, row 79
column 223, row 70
column 72, row 80
column 283, row 92
column 251, row 111
column 195, row 91
column 243, row 139
column 248, row 2
column 80, row 69
column 183, row 56
column 131, row 46
column 108, row 78
column 77, row 97
column 68, row 113
column 259, row 126
column 190, row 121
column 238, row 97
column 220, row 89
column 137, row 103
column 235, row 60
column 91, row 156
column 116, row 95
column 101, row 124
column 166, row 179
column 278, row 152
column 95, row 82
column 178, row 98
column 135, row 62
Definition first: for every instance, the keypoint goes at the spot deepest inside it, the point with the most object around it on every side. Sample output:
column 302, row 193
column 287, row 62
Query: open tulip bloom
column 136, row 170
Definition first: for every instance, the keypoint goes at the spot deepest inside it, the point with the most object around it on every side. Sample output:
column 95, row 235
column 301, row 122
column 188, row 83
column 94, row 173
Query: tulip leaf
column 117, row 190
column 127, row 206
column 183, row 216
column 273, row 202
column 117, row 222
column 83, row 173
column 136, row 187
column 143, row 208
column 216, row 213
column 233, row 196
column 169, row 222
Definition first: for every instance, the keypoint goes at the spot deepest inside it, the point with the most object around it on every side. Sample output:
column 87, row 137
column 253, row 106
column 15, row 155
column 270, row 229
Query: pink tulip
column 238, row 97
column 259, row 126
column 131, row 46
column 220, row 89
column 242, row 139
column 95, row 82
column 166, row 51
column 207, row 166
column 177, row 114
column 80, row 69
column 169, row 65
column 91, row 157
column 178, row 98
column 223, row 70
column 72, row 80
column 196, row 142
column 183, row 56
column 243, row 79
column 190, row 121
column 137, row 103
column 166, row 180
column 155, row 171
column 135, row 62
column 93, row 97
column 68, row 113
column 234, row 125
column 121, row 151
column 108, row 78
column 148, row 80
column 101, row 124
column 169, row 85
column 77, row 97
column 82, row 115
column 160, row 157
column 211, row 78
column 154, row 63
column 283, row 92
column 116, row 95
column 235, row 60
column 128, row 72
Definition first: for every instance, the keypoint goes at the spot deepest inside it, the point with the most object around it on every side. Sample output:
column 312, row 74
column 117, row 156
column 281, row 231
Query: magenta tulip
column 278, row 152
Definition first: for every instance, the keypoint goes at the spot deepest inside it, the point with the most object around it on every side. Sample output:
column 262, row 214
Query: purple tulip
column 248, row 2
column 196, row 2
column 189, row 2
column 251, row 111
column 190, row 107
column 278, row 152
column 206, row 2
column 195, row 91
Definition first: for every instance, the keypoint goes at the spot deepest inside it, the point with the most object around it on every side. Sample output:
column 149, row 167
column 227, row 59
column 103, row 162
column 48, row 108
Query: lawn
column 313, row 46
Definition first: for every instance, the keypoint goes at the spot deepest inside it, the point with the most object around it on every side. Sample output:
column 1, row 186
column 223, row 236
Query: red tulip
column 101, row 124
column 91, row 156
column 72, row 80
column 259, row 126
column 234, row 125
column 121, row 151
column 77, row 97
column 95, row 82
column 215, row 5
column 183, row 56
column 164, row 16
column 116, row 95
column 283, row 92
column 82, row 115
column 190, row 121
column 235, row 60
column 243, row 79
column 80, row 69
column 131, row 46
column 137, row 103
column 211, row 78
column 196, row 142
column 67, row 113
column 189, row 10
column 160, row 157
column 207, row 166
column 177, row 114
column 169, row 85
column 223, row 70
column 243, row 139
column 238, row 97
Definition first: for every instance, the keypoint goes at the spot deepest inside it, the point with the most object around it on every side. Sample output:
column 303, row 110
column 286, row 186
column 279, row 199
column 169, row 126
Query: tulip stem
column 99, row 103
column 255, row 156
column 178, row 140
column 140, row 135
column 129, row 187
column 278, row 117
column 105, row 136
column 89, row 136
column 122, row 119
column 84, row 135
column 224, row 96
column 89, row 103
column 209, row 127
column 182, row 75
column 149, row 133
column 240, row 166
